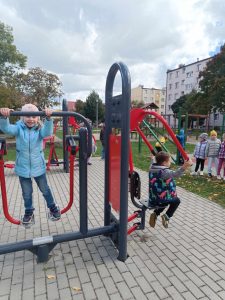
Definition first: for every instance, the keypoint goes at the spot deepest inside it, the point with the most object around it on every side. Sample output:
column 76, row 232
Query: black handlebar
column 60, row 114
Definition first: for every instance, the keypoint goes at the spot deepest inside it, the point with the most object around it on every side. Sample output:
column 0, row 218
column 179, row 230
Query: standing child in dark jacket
column 200, row 154
column 102, row 139
column 30, row 160
column 162, row 187
column 221, row 159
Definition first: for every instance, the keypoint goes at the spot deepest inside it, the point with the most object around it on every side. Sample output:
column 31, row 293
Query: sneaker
column 89, row 163
column 210, row 174
column 54, row 213
column 194, row 173
column 152, row 219
column 201, row 173
column 218, row 177
column 165, row 220
column 28, row 218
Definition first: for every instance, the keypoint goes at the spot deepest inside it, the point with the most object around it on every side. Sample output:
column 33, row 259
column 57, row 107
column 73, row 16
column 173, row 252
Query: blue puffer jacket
column 200, row 150
column 30, row 160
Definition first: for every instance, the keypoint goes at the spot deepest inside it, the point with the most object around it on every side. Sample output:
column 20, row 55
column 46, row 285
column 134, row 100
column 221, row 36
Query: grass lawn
column 210, row 188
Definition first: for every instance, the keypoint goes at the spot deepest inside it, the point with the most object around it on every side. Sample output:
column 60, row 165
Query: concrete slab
column 185, row 261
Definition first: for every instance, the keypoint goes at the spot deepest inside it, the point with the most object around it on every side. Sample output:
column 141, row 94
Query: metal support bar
column 66, row 237
column 83, row 180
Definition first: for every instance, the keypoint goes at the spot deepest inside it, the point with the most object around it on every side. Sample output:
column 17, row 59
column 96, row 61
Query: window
column 182, row 93
column 216, row 116
column 176, row 85
column 170, row 86
column 198, row 67
column 169, row 107
column 188, row 86
column 177, row 73
column 182, row 82
column 175, row 96
column 189, row 74
column 183, row 70
column 162, row 106
column 170, row 97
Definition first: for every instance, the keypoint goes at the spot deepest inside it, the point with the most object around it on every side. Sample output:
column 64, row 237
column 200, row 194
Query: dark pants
column 158, row 148
column 173, row 205
column 199, row 162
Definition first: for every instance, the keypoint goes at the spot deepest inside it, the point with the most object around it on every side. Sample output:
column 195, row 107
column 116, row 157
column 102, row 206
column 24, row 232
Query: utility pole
column 97, row 113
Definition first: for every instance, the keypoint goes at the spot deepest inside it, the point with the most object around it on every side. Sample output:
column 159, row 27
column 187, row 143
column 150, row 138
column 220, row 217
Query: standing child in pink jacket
column 221, row 159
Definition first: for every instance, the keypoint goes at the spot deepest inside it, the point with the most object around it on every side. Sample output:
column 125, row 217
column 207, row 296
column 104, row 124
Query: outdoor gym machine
column 116, row 164
column 137, row 117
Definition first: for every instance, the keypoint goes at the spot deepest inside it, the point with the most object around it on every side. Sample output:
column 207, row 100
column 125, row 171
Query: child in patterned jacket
column 162, row 187
column 221, row 158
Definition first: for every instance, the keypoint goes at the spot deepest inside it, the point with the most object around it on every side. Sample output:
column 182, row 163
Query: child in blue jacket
column 30, row 160
column 200, row 153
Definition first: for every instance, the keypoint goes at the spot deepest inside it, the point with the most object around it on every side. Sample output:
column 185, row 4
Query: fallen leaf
column 51, row 276
column 77, row 289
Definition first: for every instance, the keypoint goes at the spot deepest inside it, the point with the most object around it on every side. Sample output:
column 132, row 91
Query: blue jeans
column 103, row 153
column 27, row 191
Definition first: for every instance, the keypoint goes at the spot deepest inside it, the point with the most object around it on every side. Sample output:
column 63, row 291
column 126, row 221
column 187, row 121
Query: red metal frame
column 137, row 115
column 73, row 122
column 4, row 194
column 52, row 153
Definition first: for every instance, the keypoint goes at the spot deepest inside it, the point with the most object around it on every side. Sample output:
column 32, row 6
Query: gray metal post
column 65, row 132
column 83, row 180
column 118, row 116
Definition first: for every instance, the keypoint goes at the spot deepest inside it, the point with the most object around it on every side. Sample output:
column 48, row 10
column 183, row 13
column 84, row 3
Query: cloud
column 79, row 40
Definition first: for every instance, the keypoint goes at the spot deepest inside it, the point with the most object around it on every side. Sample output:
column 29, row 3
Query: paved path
column 186, row 261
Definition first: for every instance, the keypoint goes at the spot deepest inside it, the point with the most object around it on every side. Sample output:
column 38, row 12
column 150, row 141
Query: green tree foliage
column 39, row 87
column 193, row 103
column 178, row 104
column 91, row 107
column 212, row 82
column 137, row 104
column 80, row 106
column 10, row 58
column 9, row 97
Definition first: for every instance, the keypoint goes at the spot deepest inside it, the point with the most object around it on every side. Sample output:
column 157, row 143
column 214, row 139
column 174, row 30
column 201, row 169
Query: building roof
column 150, row 106
column 181, row 66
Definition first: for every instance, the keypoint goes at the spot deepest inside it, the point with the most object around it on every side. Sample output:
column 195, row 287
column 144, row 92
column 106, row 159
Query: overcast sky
column 80, row 39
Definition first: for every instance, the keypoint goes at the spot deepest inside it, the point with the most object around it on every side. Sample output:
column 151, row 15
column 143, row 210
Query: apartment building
column 182, row 81
column 150, row 95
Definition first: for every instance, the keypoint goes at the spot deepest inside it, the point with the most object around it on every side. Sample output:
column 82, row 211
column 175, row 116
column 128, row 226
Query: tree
column 10, row 58
column 80, row 106
column 137, row 104
column 91, row 105
column 39, row 87
column 9, row 97
column 178, row 104
column 212, row 82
